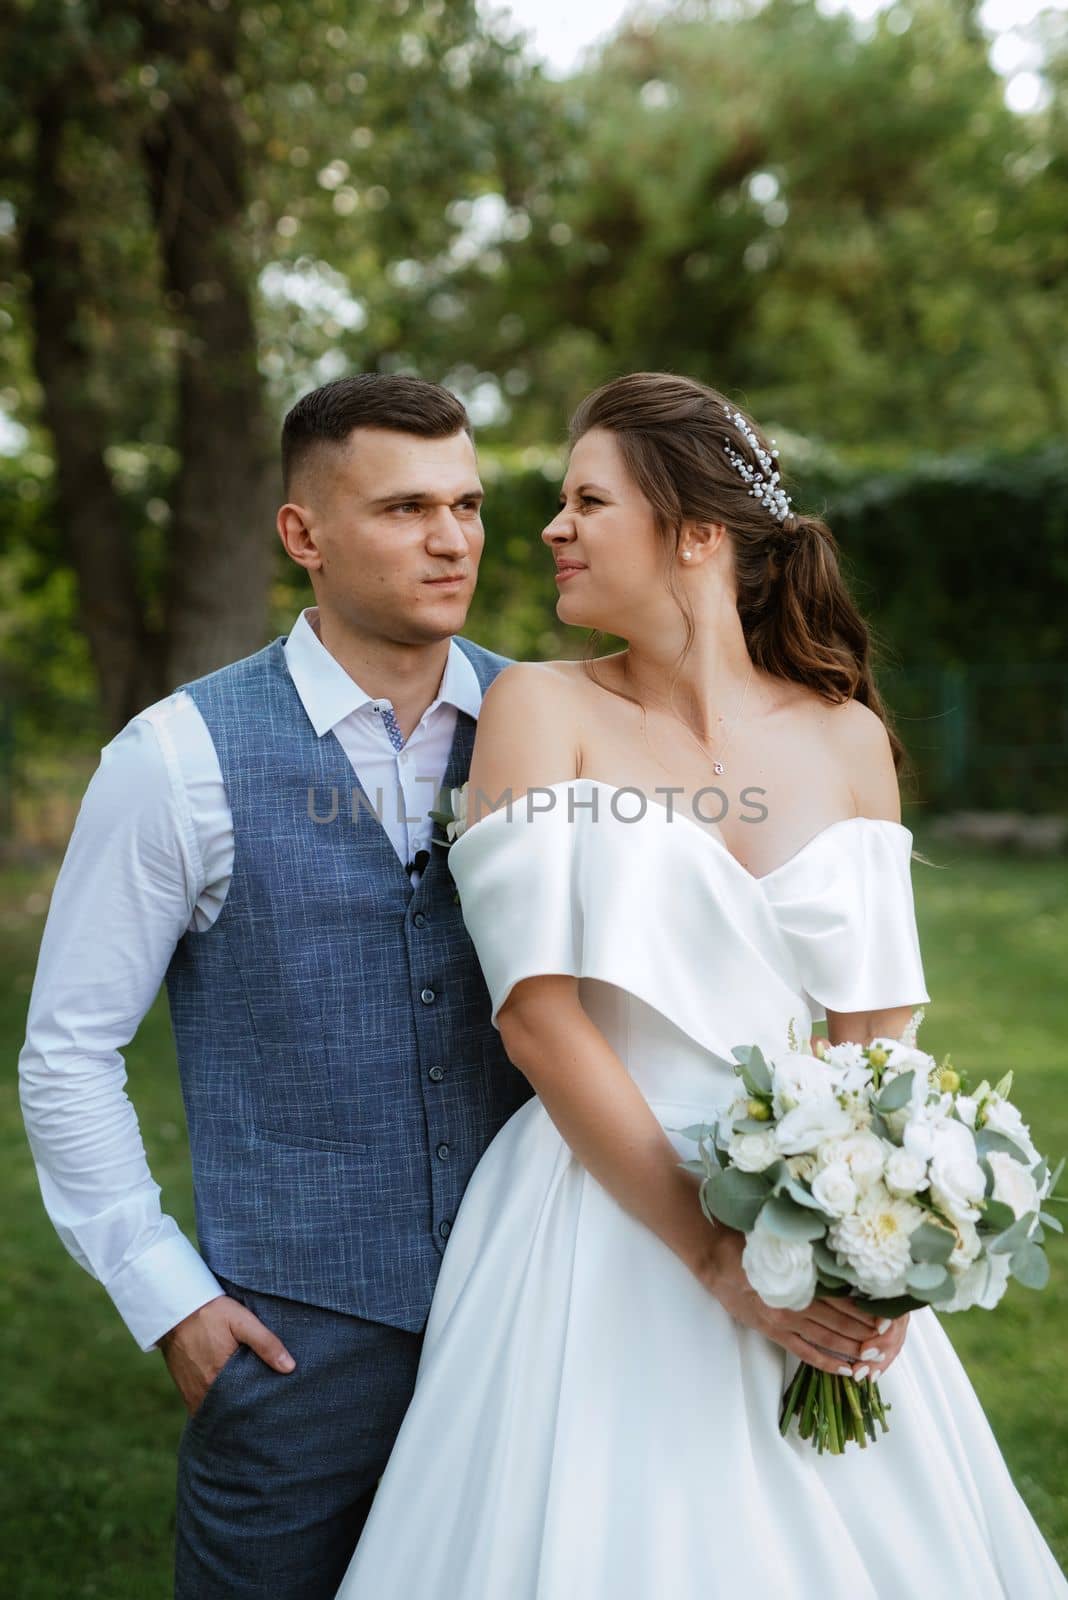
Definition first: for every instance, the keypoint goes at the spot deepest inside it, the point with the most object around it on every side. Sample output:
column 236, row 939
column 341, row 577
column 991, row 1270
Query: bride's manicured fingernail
column 884, row 1323
column 871, row 1354
column 845, row 1372
column 860, row 1372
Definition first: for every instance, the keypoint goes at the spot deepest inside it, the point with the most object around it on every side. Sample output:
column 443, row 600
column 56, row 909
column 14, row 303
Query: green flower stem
column 832, row 1412
column 849, row 1389
column 790, row 1400
column 830, row 1417
column 809, row 1405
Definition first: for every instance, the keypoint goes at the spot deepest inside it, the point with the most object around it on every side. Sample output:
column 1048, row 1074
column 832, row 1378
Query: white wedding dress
column 589, row 1423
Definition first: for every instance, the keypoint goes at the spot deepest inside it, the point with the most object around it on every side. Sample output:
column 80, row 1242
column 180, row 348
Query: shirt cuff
column 158, row 1288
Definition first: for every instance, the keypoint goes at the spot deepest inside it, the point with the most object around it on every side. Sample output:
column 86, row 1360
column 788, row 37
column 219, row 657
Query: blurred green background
column 847, row 216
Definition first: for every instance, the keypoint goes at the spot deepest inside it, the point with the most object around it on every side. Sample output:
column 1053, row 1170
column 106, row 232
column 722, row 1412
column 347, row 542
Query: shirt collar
column 329, row 695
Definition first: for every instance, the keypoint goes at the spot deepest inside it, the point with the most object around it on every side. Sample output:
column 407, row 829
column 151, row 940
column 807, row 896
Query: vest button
column 419, row 919
column 443, row 1151
column 445, row 1228
column 426, row 996
column 436, row 1074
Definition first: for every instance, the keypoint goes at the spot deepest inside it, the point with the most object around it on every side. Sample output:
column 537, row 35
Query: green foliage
column 896, row 1093
column 46, row 684
column 963, row 558
column 848, row 230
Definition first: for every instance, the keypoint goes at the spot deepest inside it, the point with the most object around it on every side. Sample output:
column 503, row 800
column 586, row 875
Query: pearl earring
column 686, row 555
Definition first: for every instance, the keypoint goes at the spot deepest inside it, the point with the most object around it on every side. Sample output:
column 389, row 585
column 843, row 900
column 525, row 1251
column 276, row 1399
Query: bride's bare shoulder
column 556, row 681
column 535, row 678
column 858, row 742
column 528, row 729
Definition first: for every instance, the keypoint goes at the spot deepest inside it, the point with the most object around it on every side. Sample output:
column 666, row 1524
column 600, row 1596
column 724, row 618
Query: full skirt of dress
column 589, row 1422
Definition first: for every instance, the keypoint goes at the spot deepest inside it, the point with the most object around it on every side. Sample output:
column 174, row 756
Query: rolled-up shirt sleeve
column 127, row 891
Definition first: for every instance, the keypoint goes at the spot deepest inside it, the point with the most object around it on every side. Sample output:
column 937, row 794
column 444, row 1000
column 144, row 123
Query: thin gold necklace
column 717, row 765
column 717, row 762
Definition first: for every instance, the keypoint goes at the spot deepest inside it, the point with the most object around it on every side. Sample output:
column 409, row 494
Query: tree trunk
column 222, row 544
column 91, row 513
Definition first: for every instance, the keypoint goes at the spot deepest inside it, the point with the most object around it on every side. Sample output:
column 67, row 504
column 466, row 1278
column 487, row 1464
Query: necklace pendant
column 717, row 768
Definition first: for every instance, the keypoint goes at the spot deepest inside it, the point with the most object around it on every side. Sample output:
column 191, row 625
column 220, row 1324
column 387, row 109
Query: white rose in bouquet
column 834, row 1189
column 865, row 1156
column 958, row 1182
column 810, row 1123
column 753, row 1152
column 905, row 1173
column 797, row 1078
column 782, row 1271
column 918, row 1138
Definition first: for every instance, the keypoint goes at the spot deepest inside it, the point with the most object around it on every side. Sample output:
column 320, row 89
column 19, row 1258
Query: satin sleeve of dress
column 520, row 900
column 845, row 905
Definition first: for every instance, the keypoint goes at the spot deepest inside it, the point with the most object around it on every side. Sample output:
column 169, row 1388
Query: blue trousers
column 277, row 1471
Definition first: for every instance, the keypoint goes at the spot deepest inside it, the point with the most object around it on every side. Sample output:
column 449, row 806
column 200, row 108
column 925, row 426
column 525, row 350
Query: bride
column 686, row 846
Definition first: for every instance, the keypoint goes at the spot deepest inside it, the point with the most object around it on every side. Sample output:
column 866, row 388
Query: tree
column 844, row 224
column 153, row 152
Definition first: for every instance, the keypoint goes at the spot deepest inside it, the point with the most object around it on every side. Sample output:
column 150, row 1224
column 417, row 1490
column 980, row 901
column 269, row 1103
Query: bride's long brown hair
column 798, row 617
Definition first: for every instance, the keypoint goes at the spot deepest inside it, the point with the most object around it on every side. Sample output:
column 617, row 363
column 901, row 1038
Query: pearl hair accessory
column 764, row 484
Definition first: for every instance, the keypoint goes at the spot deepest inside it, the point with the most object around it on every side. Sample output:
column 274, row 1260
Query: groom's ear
column 294, row 529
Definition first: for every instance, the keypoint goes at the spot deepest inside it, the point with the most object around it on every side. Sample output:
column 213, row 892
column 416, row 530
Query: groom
column 260, row 840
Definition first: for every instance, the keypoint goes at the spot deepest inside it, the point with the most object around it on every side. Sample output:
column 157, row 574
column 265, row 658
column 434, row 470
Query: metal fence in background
column 985, row 737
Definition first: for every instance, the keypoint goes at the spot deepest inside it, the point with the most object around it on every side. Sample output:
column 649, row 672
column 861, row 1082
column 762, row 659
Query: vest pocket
column 288, row 1139
column 304, row 1098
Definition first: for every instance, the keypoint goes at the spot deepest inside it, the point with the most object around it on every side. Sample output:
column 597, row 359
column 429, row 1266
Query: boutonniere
column 454, row 821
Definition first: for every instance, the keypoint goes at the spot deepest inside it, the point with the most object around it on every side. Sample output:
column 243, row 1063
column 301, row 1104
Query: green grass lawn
column 90, row 1425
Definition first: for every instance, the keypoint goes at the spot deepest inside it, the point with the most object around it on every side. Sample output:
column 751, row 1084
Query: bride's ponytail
column 808, row 627
column 697, row 458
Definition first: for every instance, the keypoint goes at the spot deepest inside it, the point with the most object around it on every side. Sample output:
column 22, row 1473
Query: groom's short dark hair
column 368, row 400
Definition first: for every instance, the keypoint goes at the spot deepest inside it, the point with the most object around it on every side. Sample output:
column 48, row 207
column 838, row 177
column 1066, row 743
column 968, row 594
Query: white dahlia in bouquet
column 873, row 1172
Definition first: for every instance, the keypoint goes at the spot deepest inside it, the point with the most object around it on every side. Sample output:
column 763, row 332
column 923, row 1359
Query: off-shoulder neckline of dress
column 717, row 843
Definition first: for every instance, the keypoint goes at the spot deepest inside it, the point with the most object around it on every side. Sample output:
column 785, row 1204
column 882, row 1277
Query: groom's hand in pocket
column 198, row 1348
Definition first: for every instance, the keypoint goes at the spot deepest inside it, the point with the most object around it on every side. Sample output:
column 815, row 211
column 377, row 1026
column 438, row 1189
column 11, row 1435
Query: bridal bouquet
column 872, row 1172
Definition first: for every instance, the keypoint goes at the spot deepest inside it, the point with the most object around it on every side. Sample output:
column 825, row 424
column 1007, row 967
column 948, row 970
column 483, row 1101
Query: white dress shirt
column 150, row 858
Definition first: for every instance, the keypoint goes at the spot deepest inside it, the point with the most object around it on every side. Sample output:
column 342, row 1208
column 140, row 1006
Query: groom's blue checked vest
column 340, row 1072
